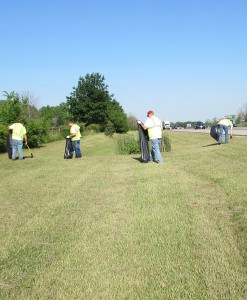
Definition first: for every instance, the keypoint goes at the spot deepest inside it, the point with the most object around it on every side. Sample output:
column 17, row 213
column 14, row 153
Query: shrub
column 3, row 137
column 93, row 128
column 109, row 129
column 36, row 133
column 127, row 144
column 165, row 143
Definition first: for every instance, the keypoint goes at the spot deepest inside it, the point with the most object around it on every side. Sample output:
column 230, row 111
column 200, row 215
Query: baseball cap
column 150, row 112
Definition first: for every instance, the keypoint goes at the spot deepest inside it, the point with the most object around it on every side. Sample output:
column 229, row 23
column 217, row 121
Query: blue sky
column 185, row 59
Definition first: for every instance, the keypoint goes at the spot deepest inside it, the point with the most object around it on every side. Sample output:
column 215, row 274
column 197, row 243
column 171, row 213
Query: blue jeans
column 76, row 147
column 17, row 146
column 225, row 128
column 155, row 152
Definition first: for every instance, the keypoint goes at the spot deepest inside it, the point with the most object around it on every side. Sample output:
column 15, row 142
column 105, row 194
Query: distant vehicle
column 200, row 125
column 188, row 126
column 177, row 126
column 166, row 125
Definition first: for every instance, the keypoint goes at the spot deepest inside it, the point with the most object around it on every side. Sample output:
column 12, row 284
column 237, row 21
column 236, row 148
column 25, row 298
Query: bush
column 3, row 138
column 127, row 144
column 93, row 128
column 109, row 129
column 165, row 143
column 37, row 133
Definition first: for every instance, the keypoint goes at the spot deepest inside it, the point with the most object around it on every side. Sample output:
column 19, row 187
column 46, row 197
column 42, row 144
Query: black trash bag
column 144, row 147
column 215, row 132
column 9, row 144
column 68, row 153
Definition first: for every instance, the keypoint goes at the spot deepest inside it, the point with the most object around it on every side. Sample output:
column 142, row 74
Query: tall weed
column 127, row 144
column 166, row 143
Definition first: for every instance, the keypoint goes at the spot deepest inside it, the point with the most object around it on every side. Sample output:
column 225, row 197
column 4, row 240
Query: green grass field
column 109, row 227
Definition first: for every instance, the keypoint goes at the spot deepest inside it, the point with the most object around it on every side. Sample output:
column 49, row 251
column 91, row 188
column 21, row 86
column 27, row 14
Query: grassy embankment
column 109, row 227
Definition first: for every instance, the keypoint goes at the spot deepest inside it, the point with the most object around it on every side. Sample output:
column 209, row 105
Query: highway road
column 236, row 131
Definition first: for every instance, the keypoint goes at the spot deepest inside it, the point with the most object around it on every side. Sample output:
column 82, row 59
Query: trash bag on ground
column 144, row 147
column 9, row 144
column 214, row 132
column 68, row 152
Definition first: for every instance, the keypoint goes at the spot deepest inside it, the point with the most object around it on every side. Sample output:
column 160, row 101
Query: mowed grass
column 109, row 227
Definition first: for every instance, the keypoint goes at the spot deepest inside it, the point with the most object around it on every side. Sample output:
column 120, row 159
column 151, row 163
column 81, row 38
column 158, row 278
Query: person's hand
column 25, row 143
column 139, row 122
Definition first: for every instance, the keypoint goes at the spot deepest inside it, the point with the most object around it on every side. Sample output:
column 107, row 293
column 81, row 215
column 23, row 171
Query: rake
column 29, row 151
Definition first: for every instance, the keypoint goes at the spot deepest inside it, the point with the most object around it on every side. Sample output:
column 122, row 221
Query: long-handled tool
column 29, row 151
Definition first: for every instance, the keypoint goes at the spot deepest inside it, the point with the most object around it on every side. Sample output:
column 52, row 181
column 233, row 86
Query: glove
column 231, row 136
column 67, row 137
column 138, row 122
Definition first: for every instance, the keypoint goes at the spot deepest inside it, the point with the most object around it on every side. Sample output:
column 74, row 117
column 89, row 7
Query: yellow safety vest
column 154, row 128
column 75, row 129
column 18, row 131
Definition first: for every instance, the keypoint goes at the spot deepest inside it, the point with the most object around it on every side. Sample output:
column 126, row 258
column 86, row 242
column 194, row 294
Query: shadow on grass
column 215, row 144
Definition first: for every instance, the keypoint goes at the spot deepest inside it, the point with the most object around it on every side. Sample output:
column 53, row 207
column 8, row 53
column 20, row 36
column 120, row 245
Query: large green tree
column 88, row 101
column 91, row 103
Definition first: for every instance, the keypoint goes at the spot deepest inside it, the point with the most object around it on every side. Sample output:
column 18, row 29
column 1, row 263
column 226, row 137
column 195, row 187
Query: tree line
column 90, row 104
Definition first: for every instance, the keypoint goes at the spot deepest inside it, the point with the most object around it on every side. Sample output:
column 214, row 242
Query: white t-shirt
column 226, row 122
column 154, row 126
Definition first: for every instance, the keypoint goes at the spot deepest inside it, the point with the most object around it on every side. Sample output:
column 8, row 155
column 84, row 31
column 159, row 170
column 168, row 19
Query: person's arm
column 25, row 139
column 231, row 131
column 142, row 125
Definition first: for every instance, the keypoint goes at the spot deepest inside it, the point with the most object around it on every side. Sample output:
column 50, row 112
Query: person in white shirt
column 223, row 125
column 154, row 126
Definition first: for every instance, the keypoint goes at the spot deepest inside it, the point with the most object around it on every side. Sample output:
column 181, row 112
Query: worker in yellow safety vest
column 75, row 136
column 154, row 126
column 19, row 133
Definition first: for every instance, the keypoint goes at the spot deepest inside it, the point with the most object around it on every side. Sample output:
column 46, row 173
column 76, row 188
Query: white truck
column 166, row 125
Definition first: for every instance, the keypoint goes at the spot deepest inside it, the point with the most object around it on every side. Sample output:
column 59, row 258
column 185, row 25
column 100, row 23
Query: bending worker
column 154, row 126
column 223, row 125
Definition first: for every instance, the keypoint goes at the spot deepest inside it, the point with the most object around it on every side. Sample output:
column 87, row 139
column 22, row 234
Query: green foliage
column 93, row 128
column 55, row 115
column 127, row 144
column 16, row 108
column 10, row 109
column 37, row 132
column 132, row 122
column 109, row 129
column 90, row 102
column 118, row 117
column 3, row 137
column 166, row 143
